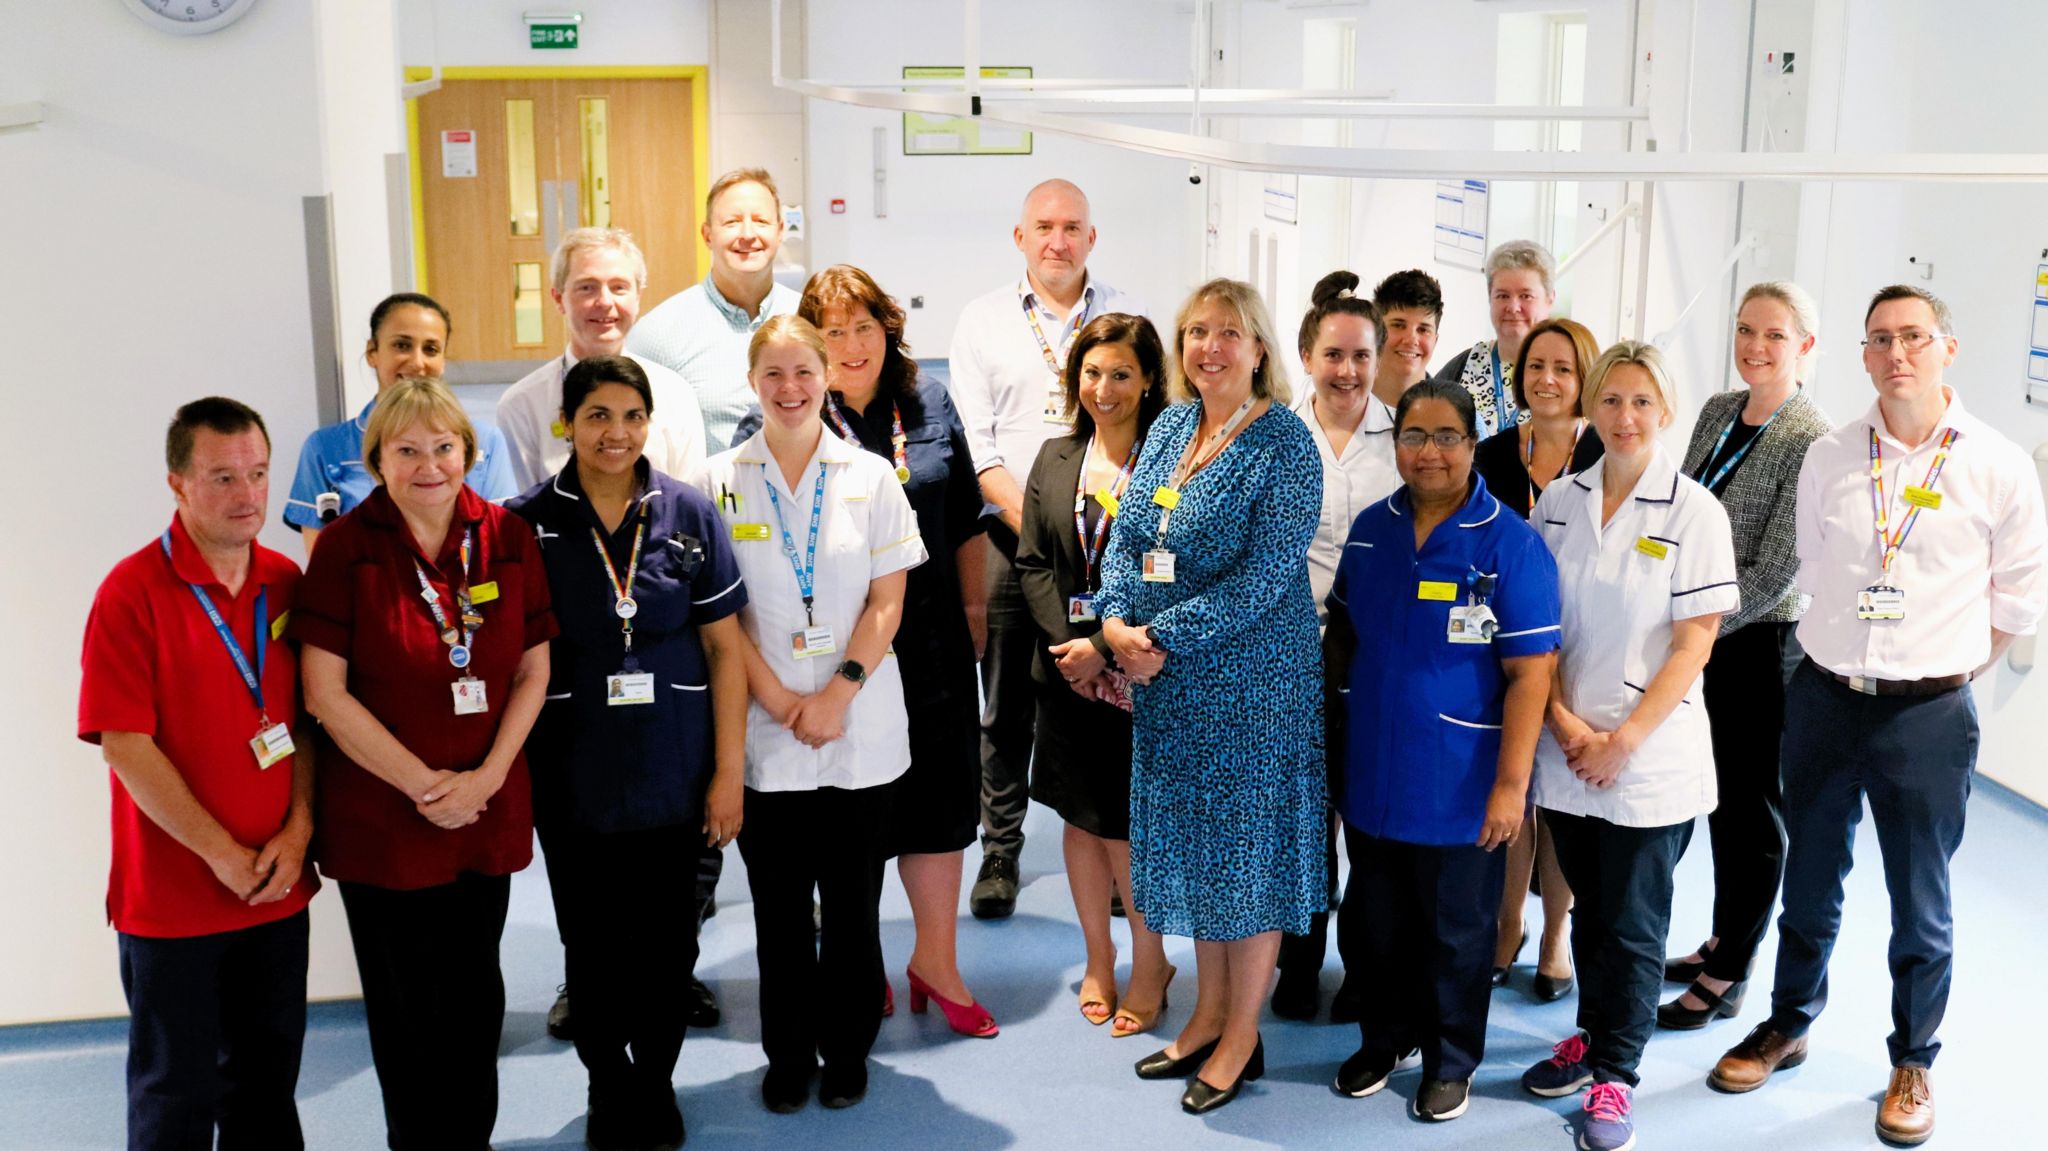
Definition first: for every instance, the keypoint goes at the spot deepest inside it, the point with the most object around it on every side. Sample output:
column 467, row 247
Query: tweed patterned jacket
column 1760, row 499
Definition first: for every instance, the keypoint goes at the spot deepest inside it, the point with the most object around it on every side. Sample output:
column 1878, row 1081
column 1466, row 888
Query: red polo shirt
column 155, row 665
column 361, row 600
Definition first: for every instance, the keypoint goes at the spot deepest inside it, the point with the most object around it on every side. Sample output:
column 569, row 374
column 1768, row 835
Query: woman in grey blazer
column 1747, row 448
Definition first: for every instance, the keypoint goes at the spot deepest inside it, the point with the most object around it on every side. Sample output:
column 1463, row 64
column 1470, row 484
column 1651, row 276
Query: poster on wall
column 1282, row 198
column 962, row 135
column 458, row 153
column 2037, row 353
column 1461, row 223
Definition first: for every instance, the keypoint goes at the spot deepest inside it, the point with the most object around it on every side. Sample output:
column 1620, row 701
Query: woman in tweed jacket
column 1747, row 448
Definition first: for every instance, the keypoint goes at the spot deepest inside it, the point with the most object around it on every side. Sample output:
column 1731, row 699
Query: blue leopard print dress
column 1227, row 778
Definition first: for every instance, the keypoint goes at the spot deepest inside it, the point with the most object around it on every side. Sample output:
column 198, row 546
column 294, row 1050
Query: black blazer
column 1498, row 460
column 1049, row 556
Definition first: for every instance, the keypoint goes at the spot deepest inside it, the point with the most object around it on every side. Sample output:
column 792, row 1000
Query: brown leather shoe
column 1907, row 1113
column 1749, row 1063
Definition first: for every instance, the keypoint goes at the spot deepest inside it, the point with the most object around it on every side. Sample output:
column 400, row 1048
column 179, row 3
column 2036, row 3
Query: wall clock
column 189, row 17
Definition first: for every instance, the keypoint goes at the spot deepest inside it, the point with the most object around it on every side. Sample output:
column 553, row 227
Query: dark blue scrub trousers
column 215, row 1031
column 1913, row 758
column 1621, row 913
column 1420, row 922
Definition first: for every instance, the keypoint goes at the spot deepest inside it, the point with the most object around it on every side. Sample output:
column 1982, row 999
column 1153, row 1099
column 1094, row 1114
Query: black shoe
column 995, row 888
column 1200, row 1098
column 1348, row 1005
column 1160, row 1065
column 1499, row 978
column 1297, row 995
column 663, row 1126
column 1116, row 906
column 1500, row 974
column 1363, row 1074
column 608, row 1125
column 703, row 1006
column 843, row 1086
column 558, row 1015
column 1442, row 1099
column 710, row 910
column 1687, row 970
column 786, row 1090
column 1673, row 1017
column 1549, row 990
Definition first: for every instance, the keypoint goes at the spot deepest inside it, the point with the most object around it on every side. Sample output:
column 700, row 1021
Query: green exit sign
column 551, row 35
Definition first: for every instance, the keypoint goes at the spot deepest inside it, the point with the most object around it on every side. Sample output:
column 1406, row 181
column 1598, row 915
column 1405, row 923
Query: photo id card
column 469, row 696
column 271, row 744
column 1473, row 623
column 627, row 688
column 1080, row 609
column 1881, row 602
column 1158, row 566
column 806, row 643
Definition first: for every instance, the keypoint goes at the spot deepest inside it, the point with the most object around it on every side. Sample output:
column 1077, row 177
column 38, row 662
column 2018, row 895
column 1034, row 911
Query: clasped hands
column 1136, row 654
column 454, row 799
column 1595, row 757
column 816, row 719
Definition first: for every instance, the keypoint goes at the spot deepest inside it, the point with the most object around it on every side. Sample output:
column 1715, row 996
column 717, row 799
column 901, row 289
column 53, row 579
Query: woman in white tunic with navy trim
column 1646, row 568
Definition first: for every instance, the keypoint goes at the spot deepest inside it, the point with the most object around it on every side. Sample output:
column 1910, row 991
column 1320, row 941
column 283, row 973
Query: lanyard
column 806, row 571
column 252, row 678
column 1503, row 393
column 623, row 604
column 1890, row 543
column 1529, row 458
column 897, row 439
column 1092, row 548
column 1052, row 361
column 458, row 642
column 1193, row 461
column 1721, row 473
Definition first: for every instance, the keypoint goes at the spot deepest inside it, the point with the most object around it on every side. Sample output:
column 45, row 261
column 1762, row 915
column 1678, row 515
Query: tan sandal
column 1102, row 1009
column 1142, row 1021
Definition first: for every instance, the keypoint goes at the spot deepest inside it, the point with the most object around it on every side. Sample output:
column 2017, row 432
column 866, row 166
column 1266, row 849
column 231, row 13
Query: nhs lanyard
column 897, row 440
column 1503, row 393
column 458, row 641
column 252, row 678
column 1889, row 543
column 806, row 572
column 1091, row 549
column 1721, row 473
column 1052, row 361
column 623, row 604
column 1194, row 461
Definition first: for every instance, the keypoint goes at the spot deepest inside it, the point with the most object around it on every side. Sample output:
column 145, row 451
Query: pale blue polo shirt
column 701, row 336
column 332, row 461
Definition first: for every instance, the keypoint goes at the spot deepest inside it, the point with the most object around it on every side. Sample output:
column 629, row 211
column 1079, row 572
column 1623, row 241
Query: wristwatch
column 853, row 671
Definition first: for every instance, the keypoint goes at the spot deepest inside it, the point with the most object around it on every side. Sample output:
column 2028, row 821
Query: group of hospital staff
column 1483, row 624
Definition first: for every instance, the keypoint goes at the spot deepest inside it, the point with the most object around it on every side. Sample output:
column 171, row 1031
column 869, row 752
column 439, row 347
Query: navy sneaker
column 1607, row 1126
column 1564, row 1072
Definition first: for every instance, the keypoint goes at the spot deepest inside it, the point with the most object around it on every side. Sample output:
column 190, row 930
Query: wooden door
column 550, row 155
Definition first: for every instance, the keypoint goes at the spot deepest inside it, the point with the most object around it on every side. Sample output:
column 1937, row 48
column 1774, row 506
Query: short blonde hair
column 786, row 330
column 1269, row 380
column 1642, row 355
column 740, row 176
column 579, row 240
column 416, row 402
column 1523, row 255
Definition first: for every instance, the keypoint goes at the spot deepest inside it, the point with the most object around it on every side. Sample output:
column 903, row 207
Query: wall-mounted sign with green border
column 962, row 135
column 551, row 35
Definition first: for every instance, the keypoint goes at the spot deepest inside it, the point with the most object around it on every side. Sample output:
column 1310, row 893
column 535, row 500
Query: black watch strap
column 853, row 671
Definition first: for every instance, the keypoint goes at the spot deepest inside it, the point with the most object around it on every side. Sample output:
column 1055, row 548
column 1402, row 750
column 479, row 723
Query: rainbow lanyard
column 1889, row 543
column 458, row 642
column 1092, row 548
column 623, row 604
column 1529, row 458
column 897, row 440
column 1052, row 361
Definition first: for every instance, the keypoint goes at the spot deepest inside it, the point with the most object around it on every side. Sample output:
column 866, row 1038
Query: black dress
column 1498, row 460
column 937, row 803
column 1081, row 754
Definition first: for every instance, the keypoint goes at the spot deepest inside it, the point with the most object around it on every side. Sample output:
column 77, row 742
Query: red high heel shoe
column 888, row 998
column 969, row 1019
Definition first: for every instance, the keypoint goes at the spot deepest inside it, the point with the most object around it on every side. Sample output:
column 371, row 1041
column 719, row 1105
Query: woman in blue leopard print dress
column 1227, row 776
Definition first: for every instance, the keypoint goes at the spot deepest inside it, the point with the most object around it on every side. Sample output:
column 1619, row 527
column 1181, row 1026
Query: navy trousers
column 215, row 1030
column 1913, row 759
column 1010, row 702
column 1301, row 956
column 1420, row 921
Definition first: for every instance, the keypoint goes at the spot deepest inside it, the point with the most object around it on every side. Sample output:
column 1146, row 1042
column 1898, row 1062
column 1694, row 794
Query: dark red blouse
column 361, row 600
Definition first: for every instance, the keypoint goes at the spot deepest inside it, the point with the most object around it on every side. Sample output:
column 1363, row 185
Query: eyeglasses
column 1912, row 340
column 1414, row 438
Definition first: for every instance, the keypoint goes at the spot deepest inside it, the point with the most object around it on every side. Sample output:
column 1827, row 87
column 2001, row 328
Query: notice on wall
column 2037, row 337
column 1461, row 223
column 458, row 153
column 961, row 135
column 1282, row 198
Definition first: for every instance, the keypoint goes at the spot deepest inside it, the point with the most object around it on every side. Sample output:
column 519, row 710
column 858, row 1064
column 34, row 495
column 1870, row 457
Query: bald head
column 1055, row 235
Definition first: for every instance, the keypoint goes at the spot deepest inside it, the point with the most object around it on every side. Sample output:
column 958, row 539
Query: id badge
column 805, row 643
column 1158, row 567
column 1472, row 624
column 469, row 696
column 1056, row 404
column 628, row 688
column 271, row 744
column 743, row 532
column 1081, row 609
column 1881, row 602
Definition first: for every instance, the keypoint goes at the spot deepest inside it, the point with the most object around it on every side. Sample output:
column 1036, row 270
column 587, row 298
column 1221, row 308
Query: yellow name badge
column 483, row 592
column 1166, row 497
column 1652, row 548
column 277, row 626
column 1441, row 590
column 1922, row 498
column 1107, row 500
column 750, row 531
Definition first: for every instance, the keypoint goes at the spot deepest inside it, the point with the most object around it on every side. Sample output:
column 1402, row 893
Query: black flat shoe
column 1673, row 1016
column 786, row 1090
column 1160, row 1065
column 1200, row 1098
column 701, row 1005
column 1687, row 970
column 841, row 1087
column 1549, row 990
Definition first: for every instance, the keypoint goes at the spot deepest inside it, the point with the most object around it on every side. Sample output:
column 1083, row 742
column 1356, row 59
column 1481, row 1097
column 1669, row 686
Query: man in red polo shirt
column 195, row 706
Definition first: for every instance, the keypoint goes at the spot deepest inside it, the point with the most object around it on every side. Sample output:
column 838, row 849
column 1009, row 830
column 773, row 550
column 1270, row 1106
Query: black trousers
column 616, row 896
column 1421, row 924
column 1914, row 759
column 1301, row 956
column 818, row 987
column 1621, row 914
column 1009, row 702
column 434, row 998
column 215, row 1031
column 1745, row 695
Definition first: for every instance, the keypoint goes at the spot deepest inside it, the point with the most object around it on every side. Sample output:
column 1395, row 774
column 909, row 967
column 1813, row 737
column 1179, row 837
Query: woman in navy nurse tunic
column 638, row 755
column 1443, row 624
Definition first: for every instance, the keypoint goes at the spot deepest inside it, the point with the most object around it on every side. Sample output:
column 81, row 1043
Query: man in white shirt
column 1922, row 543
column 598, row 274
column 701, row 333
column 1009, row 349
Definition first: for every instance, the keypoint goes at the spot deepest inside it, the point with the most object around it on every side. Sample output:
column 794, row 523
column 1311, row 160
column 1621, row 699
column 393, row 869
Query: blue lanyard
column 1722, row 473
column 1502, row 393
column 252, row 678
column 806, row 570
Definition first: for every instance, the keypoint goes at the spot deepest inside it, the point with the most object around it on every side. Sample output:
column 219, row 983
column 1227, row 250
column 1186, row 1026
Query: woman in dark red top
column 425, row 622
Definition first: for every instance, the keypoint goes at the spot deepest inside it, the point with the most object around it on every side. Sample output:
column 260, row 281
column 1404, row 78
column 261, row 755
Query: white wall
column 362, row 120
column 478, row 33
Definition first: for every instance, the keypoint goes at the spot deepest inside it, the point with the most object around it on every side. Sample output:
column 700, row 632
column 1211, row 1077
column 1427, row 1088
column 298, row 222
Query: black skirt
column 1081, row 761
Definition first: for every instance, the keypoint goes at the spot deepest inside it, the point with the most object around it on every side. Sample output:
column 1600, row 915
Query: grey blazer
column 1760, row 499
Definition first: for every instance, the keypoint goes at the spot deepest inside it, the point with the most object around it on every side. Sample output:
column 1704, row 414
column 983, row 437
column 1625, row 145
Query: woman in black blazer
column 1081, row 758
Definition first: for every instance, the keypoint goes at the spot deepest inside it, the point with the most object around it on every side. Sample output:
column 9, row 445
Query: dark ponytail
column 1332, row 297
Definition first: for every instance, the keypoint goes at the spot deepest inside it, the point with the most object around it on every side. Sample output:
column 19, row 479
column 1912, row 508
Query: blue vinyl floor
column 1052, row 1081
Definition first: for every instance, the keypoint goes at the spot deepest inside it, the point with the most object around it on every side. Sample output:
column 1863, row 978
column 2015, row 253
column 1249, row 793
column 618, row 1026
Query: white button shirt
column 1973, row 564
column 1000, row 379
column 867, row 531
column 528, row 410
column 1362, row 476
column 1618, row 603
